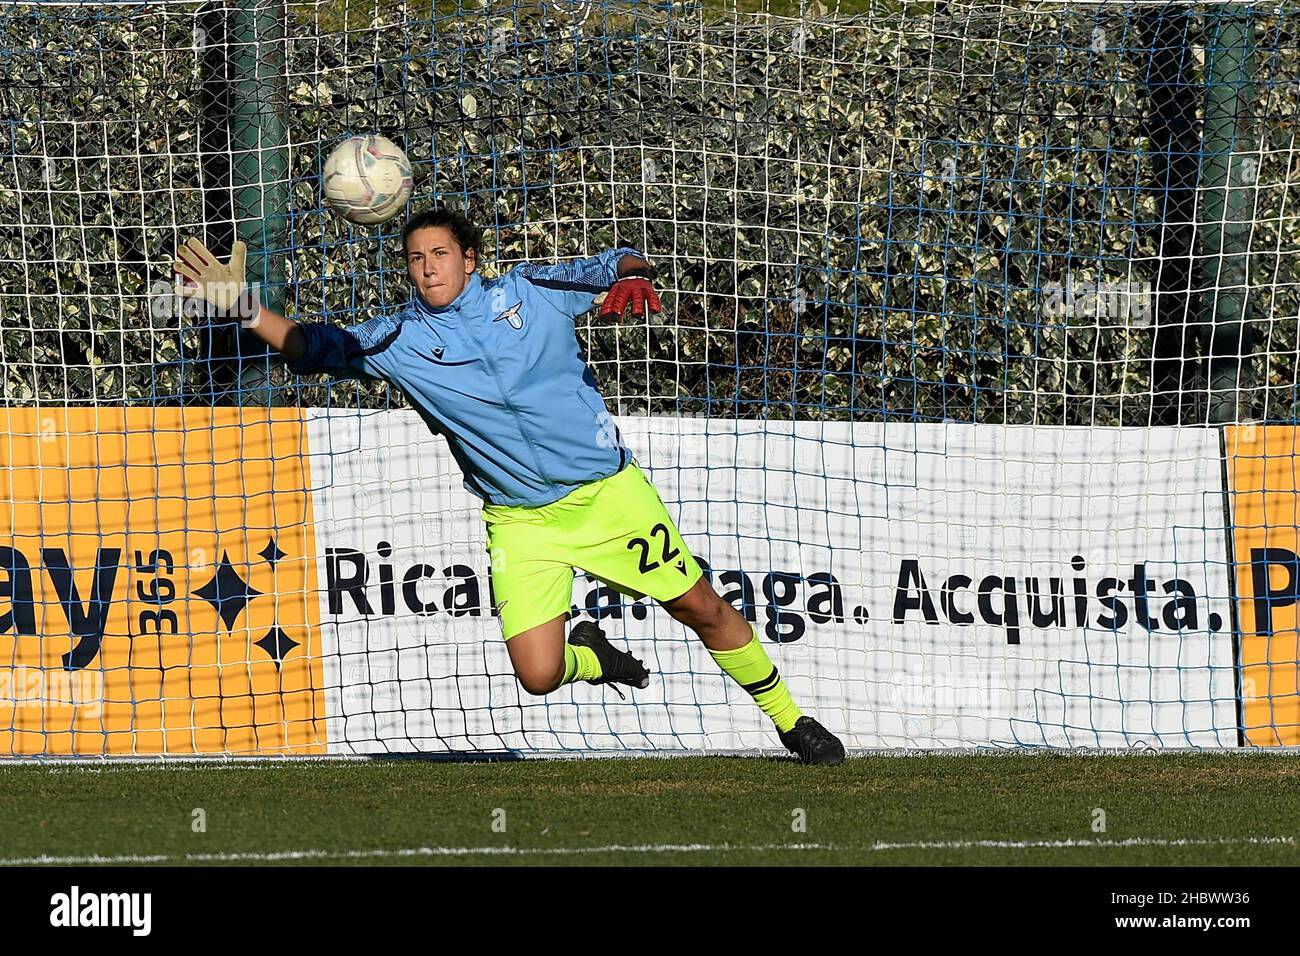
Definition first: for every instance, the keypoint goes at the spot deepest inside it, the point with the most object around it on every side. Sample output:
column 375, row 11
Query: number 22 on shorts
column 669, row 552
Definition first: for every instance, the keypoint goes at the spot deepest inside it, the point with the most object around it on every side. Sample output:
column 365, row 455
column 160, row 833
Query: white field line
column 507, row 851
column 423, row 851
column 1098, row 844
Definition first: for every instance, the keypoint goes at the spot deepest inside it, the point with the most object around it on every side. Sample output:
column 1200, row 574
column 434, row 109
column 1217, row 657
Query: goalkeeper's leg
column 537, row 656
column 532, row 585
column 544, row 661
column 734, row 645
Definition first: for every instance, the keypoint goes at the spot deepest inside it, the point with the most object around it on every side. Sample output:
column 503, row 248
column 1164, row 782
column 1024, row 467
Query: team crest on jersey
column 512, row 316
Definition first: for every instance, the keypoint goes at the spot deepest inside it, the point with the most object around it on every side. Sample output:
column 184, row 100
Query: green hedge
column 860, row 230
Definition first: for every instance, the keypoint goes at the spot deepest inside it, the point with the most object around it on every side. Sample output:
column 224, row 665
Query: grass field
column 1172, row 809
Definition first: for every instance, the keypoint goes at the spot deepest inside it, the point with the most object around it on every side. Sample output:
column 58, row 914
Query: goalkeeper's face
column 436, row 266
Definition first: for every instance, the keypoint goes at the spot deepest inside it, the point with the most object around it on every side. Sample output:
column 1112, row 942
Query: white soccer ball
column 367, row 179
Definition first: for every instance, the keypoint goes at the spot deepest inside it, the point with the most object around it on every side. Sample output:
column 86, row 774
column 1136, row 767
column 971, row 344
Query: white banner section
column 926, row 586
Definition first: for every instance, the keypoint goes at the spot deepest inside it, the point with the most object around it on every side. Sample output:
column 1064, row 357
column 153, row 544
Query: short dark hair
column 467, row 235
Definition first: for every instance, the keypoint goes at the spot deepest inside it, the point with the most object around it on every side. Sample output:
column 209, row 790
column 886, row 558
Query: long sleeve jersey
column 499, row 374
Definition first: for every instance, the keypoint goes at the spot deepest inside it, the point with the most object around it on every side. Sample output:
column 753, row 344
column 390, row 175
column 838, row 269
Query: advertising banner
column 917, row 586
column 303, row 581
column 159, row 583
column 1266, row 540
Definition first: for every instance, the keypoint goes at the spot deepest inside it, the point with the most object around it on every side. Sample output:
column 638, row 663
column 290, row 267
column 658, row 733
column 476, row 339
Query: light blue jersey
column 497, row 372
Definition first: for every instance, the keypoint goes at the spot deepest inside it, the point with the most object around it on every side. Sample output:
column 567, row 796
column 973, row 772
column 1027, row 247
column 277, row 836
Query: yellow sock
column 752, row 669
column 580, row 663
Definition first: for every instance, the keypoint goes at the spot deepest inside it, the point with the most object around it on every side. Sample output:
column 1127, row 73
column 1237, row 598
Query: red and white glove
column 636, row 288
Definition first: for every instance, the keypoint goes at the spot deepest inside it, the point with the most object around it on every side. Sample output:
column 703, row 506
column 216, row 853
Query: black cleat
column 813, row 743
column 616, row 667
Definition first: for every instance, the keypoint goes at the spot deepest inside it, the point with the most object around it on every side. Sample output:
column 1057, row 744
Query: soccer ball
column 367, row 179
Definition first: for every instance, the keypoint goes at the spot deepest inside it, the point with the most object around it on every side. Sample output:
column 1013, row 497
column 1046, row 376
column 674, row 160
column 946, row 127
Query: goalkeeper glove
column 208, row 279
column 634, row 287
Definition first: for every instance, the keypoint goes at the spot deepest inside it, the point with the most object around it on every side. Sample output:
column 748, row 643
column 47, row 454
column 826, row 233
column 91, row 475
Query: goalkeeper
column 495, row 367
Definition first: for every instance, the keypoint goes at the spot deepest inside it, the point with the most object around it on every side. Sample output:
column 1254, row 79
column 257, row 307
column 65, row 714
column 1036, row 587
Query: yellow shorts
column 616, row 529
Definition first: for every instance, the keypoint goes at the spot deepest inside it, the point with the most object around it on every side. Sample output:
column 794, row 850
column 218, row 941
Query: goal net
column 974, row 389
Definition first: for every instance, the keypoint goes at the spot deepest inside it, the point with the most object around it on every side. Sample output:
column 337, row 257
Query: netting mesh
column 861, row 217
column 881, row 224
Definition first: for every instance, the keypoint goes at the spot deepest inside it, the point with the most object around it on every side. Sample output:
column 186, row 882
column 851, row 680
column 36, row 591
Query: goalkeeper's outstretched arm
column 223, row 285
column 280, row 333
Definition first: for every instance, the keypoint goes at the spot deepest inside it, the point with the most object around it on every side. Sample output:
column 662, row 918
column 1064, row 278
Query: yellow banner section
column 157, row 583
column 1263, row 491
